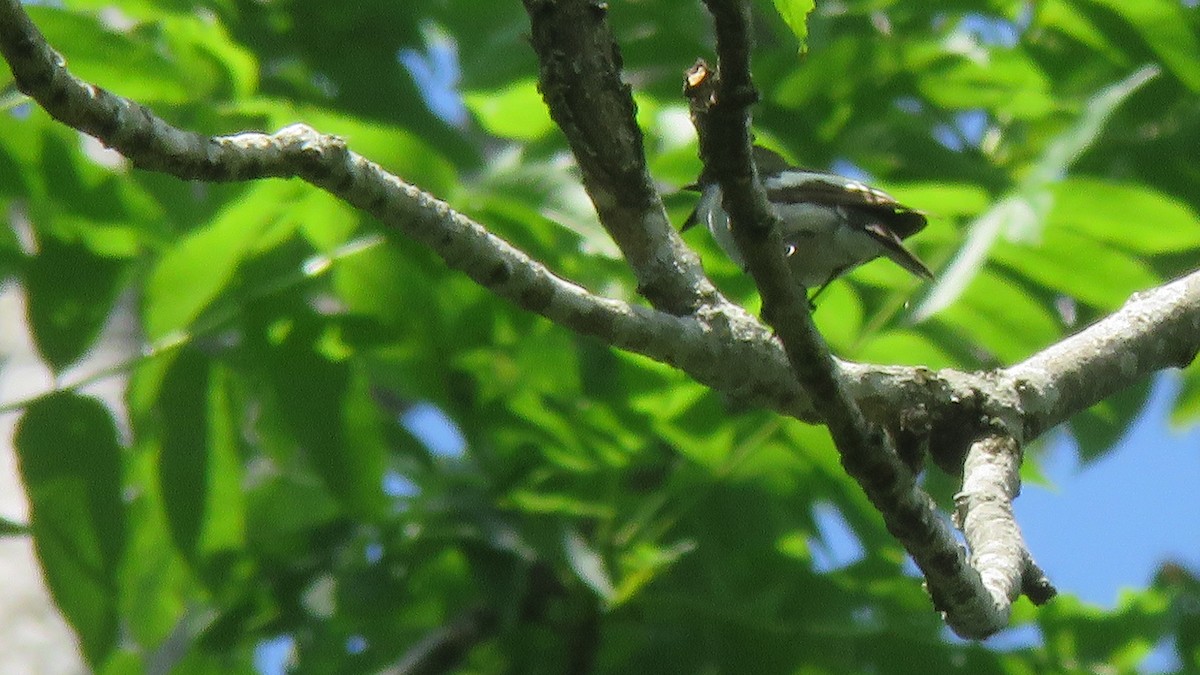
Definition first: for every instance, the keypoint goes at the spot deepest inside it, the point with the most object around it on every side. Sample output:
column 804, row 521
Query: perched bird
column 831, row 224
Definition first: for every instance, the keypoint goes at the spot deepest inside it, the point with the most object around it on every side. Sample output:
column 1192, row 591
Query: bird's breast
column 822, row 243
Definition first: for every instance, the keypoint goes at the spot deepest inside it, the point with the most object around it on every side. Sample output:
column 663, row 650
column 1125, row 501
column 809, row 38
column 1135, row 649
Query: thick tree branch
column 972, row 606
column 718, row 344
column 580, row 78
column 984, row 513
column 702, row 344
column 1155, row 329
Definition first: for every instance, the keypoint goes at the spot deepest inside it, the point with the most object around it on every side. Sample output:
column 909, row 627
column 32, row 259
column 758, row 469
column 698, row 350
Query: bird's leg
column 812, row 299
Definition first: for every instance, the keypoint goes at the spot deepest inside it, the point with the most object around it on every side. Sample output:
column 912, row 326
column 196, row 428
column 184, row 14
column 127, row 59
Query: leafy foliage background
column 601, row 512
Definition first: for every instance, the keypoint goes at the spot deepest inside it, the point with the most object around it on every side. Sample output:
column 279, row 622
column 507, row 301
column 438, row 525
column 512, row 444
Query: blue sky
column 1108, row 525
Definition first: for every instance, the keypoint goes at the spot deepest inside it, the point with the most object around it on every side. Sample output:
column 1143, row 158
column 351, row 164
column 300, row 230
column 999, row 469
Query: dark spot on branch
column 499, row 274
column 537, row 296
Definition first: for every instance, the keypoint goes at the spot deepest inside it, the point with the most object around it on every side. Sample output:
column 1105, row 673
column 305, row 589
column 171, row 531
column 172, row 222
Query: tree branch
column 719, row 344
column 443, row 649
column 703, row 344
column 580, row 79
column 983, row 511
column 1155, row 329
column 972, row 606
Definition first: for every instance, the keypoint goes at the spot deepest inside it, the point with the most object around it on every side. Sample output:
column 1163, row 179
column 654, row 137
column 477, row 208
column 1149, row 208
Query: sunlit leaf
column 202, row 264
column 795, row 15
column 116, row 61
column 1165, row 27
column 1003, row 318
column 1021, row 214
column 903, row 347
column 1079, row 267
column 1005, row 81
column 1064, row 16
column 516, row 112
column 1131, row 217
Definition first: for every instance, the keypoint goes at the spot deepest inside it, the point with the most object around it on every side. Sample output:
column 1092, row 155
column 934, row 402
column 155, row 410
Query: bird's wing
column 895, row 250
column 814, row 187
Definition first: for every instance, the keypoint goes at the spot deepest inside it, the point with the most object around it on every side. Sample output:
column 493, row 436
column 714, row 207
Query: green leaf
column 382, row 283
column 1098, row 428
column 903, row 347
column 1131, row 217
column 1064, row 16
column 111, row 59
column 275, row 527
column 327, row 405
column 1169, row 31
column 198, row 466
column 70, row 461
column 1187, row 407
column 1021, row 214
column 398, row 150
column 71, row 292
column 1005, row 81
column 1065, row 148
column 195, row 270
column 159, row 584
column 942, row 199
column 1002, row 317
column 214, row 63
column 795, row 15
column 643, row 563
column 1080, row 267
column 840, row 318
column 515, row 112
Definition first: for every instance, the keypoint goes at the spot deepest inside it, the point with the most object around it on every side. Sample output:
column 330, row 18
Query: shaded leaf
column 71, row 292
column 198, row 467
column 326, row 404
column 70, row 460
column 1098, row 428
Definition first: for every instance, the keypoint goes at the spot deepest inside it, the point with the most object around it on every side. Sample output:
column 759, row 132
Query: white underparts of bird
column 830, row 224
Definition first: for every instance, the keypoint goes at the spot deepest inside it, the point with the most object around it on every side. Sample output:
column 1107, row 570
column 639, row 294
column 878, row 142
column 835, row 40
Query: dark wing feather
column 814, row 187
column 896, row 251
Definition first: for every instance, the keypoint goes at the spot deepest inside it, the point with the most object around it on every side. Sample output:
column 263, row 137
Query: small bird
column 831, row 224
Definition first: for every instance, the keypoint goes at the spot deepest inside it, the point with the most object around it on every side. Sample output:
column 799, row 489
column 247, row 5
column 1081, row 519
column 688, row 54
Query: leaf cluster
column 328, row 437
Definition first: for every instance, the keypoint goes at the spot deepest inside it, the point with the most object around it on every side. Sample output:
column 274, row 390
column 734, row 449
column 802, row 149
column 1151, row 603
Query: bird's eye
column 789, row 250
